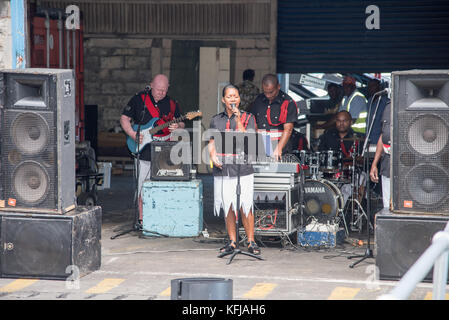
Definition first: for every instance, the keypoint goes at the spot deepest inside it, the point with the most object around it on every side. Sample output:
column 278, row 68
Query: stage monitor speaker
column 49, row 246
column 170, row 160
column 201, row 289
column 401, row 239
column 420, row 142
column 37, row 140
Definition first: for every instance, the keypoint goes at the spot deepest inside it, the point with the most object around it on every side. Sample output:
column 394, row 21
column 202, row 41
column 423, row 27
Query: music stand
column 368, row 252
column 237, row 143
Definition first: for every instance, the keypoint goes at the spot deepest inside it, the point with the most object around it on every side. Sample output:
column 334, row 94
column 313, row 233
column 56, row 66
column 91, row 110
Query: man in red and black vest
column 275, row 113
column 342, row 139
column 339, row 137
column 143, row 107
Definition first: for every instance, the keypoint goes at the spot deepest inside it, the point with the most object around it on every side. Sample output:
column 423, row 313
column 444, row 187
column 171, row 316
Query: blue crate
column 327, row 239
column 172, row 208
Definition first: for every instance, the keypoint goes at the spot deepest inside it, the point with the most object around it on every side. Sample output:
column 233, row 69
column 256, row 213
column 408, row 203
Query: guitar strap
column 156, row 113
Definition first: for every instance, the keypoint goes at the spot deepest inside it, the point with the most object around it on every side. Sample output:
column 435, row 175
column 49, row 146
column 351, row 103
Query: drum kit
column 326, row 172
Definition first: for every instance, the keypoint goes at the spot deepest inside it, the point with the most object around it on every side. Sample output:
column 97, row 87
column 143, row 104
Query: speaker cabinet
column 170, row 160
column 420, row 142
column 401, row 239
column 201, row 289
column 50, row 246
column 37, row 140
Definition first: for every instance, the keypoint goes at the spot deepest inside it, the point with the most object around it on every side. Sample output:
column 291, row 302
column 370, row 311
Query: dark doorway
column 184, row 74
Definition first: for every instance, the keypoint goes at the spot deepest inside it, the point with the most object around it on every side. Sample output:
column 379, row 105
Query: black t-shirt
column 138, row 112
column 330, row 140
column 259, row 109
column 219, row 122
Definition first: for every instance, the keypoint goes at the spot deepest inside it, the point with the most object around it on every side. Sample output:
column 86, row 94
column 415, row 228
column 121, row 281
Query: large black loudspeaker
column 50, row 246
column 37, row 171
column 420, row 142
column 170, row 160
column 401, row 239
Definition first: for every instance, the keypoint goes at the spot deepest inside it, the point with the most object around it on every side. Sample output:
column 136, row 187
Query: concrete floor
column 141, row 268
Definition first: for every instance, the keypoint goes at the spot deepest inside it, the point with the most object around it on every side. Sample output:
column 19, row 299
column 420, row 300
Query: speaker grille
column 428, row 185
column 31, row 182
column 420, row 162
column 41, row 246
column 406, row 247
column 401, row 239
column 30, row 133
column 164, row 160
column 29, row 157
column 428, row 134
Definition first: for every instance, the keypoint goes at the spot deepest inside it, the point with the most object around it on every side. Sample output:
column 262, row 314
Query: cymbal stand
column 368, row 252
column 355, row 210
column 359, row 215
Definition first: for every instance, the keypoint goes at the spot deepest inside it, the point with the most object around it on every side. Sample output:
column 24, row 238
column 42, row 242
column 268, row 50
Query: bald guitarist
column 141, row 109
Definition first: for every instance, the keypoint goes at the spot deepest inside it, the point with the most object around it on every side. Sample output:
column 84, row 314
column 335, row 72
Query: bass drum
column 323, row 200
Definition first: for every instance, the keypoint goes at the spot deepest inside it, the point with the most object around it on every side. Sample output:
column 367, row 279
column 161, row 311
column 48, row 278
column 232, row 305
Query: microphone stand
column 237, row 249
column 137, row 225
column 369, row 252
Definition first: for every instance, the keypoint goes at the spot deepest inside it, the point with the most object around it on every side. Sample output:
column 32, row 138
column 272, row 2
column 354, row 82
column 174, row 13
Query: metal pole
column 47, row 28
column 60, row 34
column 441, row 266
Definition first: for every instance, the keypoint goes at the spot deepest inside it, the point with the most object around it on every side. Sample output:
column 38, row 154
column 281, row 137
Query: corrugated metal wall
column 173, row 18
column 331, row 36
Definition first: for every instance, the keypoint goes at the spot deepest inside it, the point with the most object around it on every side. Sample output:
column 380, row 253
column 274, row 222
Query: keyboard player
column 275, row 112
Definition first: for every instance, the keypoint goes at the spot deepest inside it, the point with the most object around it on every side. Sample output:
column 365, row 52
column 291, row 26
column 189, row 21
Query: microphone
column 147, row 88
column 233, row 106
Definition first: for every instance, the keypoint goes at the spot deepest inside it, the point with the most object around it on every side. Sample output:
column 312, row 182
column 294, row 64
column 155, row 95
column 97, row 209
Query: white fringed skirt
column 225, row 196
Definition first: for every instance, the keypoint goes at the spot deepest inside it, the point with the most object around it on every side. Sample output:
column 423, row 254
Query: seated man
column 342, row 139
column 339, row 137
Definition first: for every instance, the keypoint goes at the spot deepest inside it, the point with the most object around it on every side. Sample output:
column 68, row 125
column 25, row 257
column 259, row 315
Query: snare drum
column 323, row 200
column 342, row 175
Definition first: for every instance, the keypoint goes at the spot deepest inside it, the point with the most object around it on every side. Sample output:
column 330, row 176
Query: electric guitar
column 148, row 130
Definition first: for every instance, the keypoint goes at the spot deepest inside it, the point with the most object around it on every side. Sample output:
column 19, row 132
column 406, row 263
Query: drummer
column 342, row 139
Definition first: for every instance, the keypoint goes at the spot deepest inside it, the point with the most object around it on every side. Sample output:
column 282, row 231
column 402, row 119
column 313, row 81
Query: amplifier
column 170, row 160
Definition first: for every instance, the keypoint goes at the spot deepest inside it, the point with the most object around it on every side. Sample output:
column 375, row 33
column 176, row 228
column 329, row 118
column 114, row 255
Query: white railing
column 437, row 256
